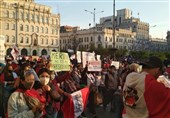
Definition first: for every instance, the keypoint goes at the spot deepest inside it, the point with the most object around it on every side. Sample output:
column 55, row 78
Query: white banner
column 2, row 49
column 87, row 56
column 116, row 64
column 94, row 66
column 79, row 56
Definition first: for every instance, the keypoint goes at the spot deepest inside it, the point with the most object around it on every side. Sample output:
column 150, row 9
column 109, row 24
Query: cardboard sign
column 60, row 61
column 2, row 49
column 116, row 64
column 94, row 66
column 87, row 56
column 78, row 56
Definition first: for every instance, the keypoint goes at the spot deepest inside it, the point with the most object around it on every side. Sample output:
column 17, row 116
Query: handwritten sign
column 2, row 49
column 94, row 66
column 116, row 64
column 60, row 61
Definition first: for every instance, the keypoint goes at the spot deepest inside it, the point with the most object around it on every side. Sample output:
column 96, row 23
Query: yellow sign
column 60, row 61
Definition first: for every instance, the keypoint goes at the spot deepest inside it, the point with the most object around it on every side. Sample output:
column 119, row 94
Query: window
column 36, row 18
column 7, row 38
column 106, row 38
column 52, row 42
column 42, row 30
column 21, row 28
column 22, row 15
column 7, row 26
column 27, row 40
column 6, row 14
column 56, row 22
column 27, row 16
column 91, row 38
column 41, row 19
column 56, row 32
column 110, row 39
column 32, row 28
column 52, row 21
column 13, row 26
column 21, row 39
column 46, row 20
column 27, row 28
column 46, row 41
column 13, row 39
column 46, row 30
column 42, row 42
column 99, row 38
column 37, row 29
column 13, row 14
column 32, row 17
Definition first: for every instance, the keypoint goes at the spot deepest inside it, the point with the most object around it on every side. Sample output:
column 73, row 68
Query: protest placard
column 116, row 64
column 94, row 66
column 2, row 49
column 78, row 56
column 60, row 61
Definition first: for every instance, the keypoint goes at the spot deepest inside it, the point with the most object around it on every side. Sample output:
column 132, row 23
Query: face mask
column 44, row 80
column 52, row 76
column 28, row 85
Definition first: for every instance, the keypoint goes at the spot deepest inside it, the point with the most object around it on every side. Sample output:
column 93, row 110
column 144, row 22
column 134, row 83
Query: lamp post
column 113, row 27
column 16, row 23
column 94, row 15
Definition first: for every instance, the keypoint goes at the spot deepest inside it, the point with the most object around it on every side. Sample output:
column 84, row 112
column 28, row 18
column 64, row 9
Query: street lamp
column 16, row 23
column 113, row 27
column 94, row 14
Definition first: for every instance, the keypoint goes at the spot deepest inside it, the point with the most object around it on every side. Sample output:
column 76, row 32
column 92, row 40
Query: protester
column 8, row 78
column 145, row 97
column 18, row 106
column 48, row 90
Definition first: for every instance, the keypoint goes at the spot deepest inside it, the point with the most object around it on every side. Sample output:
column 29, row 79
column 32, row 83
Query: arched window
column 44, row 52
column 26, row 16
column 24, row 52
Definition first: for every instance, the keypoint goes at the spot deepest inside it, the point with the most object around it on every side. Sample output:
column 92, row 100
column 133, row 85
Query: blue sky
column 154, row 12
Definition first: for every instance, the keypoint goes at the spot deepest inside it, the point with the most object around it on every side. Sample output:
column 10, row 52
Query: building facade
column 124, row 20
column 97, row 37
column 31, row 27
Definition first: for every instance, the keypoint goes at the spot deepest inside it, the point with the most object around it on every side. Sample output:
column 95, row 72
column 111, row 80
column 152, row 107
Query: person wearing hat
column 144, row 97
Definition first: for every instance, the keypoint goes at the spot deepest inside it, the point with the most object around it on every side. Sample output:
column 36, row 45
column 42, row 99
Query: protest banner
column 87, row 56
column 2, row 49
column 78, row 56
column 60, row 61
column 94, row 66
column 116, row 64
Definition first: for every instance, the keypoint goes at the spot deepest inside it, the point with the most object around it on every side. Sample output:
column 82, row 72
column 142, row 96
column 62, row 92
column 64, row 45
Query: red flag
column 76, row 104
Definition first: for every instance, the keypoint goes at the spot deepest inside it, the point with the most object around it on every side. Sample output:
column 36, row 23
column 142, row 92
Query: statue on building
column 34, row 41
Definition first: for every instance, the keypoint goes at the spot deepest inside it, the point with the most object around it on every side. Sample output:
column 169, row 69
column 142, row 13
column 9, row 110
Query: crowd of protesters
column 29, row 89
